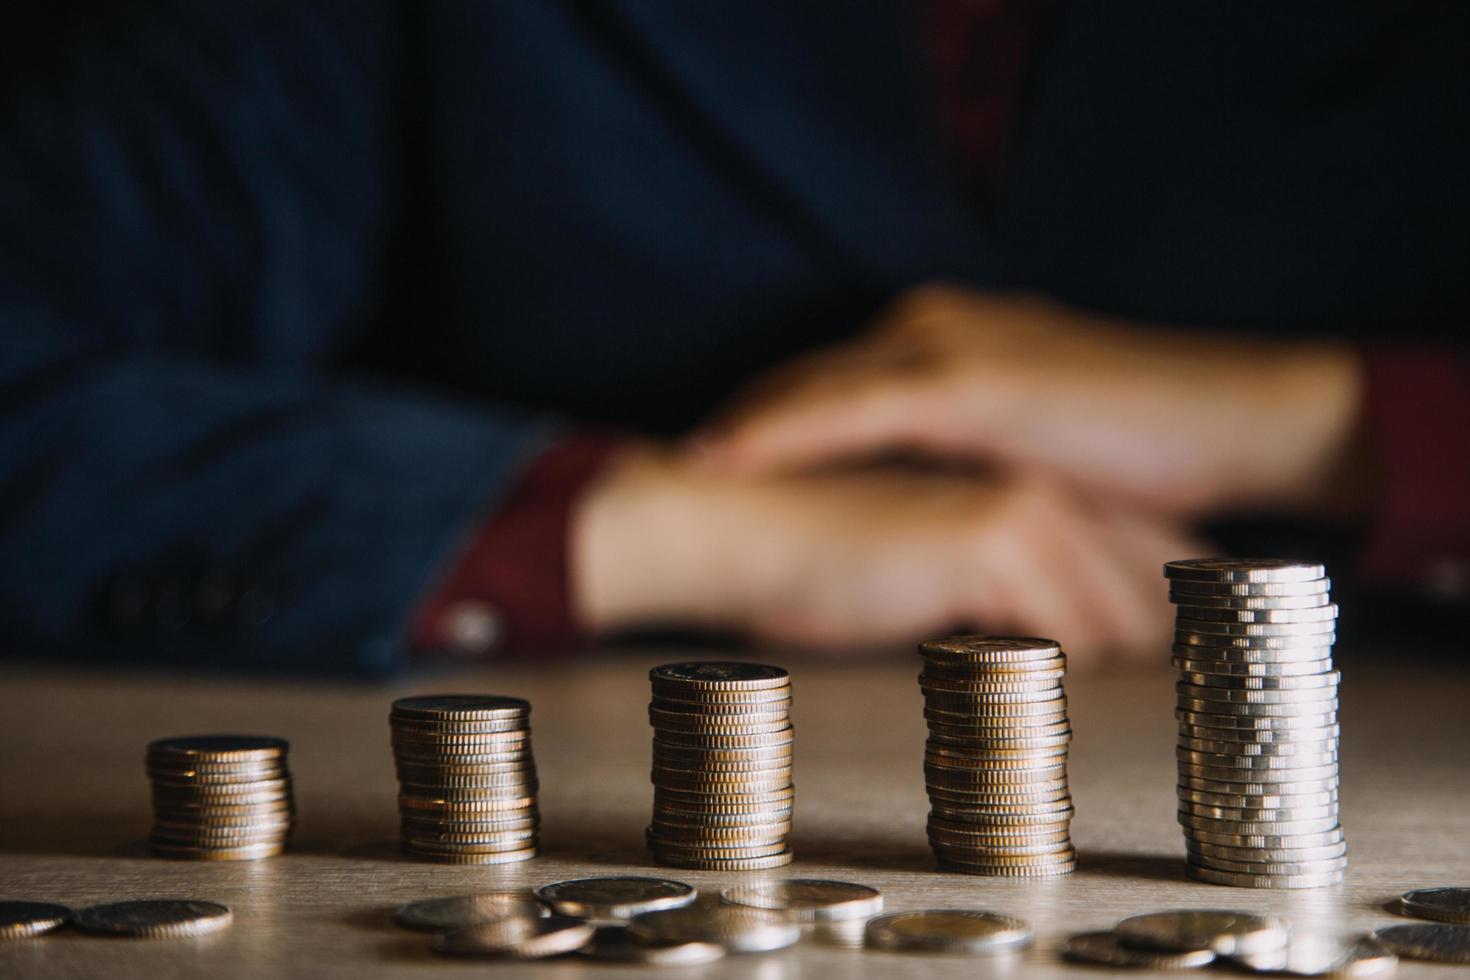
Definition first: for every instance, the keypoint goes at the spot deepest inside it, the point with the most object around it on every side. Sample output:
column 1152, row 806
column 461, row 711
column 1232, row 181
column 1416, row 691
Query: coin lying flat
column 808, row 899
column 948, row 931
column 521, row 938
column 1105, row 949
column 456, row 912
column 1440, row 904
column 1308, row 955
column 1226, row 933
column 615, row 897
column 460, row 707
column 154, row 918
column 738, row 930
column 1437, row 942
column 19, row 920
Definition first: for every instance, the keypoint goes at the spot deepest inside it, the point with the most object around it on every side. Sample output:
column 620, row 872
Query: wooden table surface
column 74, row 807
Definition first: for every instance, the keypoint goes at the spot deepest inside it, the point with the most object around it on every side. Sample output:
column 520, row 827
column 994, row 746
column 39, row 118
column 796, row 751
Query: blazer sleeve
column 196, row 206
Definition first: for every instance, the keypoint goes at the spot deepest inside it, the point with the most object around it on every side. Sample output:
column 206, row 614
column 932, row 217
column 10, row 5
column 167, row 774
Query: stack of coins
column 220, row 797
column 1257, row 710
column 722, row 740
column 995, row 764
column 467, row 781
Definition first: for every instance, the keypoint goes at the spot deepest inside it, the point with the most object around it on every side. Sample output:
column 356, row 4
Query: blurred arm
column 194, row 207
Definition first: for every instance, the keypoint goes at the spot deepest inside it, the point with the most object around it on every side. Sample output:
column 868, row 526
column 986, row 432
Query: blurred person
column 336, row 333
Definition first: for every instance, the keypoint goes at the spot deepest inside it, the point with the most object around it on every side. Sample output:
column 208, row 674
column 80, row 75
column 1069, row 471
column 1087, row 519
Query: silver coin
column 154, row 918
column 948, row 931
column 1438, row 942
column 1279, row 682
column 1269, row 841
column 615, row 897
column 1259, row 814
column 1248, row 828
column 459, row 911
column 522, row 938
column 1243, row 570
column 1308, row 955
column 1219, row 747
column 1316, row 586
column 1266, row 855
column 1253, row 724
column 1313, row 601
column 615, row 944
column 1225, row 932
column 1105, row 949
column 1308, row 654
column 808, row 899
column 1220, row 628
column 738, row 930
column 1260, row 801
column 1440, row 904
column 1216, row 642
column 19, row 920
column 1213, row 877
column 1297, row 868
column 1220, row 668
column 1217, row 614
column 1318, row 710
column 1325, row 690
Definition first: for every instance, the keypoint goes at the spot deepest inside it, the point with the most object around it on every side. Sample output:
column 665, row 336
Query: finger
column 834, row 409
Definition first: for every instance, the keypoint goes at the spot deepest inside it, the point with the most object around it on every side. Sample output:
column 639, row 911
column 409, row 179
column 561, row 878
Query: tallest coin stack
column 1258, row 731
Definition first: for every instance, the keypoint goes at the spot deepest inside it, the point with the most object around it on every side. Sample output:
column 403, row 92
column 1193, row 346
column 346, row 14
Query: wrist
column 642, row 545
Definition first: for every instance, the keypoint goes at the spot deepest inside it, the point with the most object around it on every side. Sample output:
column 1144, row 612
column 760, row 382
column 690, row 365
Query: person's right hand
column 865, row 558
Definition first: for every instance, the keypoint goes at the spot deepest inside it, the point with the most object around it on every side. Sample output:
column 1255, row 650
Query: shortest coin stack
column 220, row 797
column 995, row 764
column 722, row 742
column 467, row 781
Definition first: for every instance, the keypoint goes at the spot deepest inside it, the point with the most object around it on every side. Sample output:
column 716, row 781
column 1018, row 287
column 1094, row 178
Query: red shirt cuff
column 510, row 590
column 1417, row 409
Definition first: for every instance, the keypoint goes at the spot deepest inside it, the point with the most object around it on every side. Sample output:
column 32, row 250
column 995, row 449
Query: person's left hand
column 1182, row 422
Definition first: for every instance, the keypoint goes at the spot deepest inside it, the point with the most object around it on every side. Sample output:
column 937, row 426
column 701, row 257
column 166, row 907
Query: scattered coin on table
column 1439, row 904
column 995, row 764
column 467, row 779
column 1257, row 701
column 220, row 797
column 617, row 944
column 722, row 754
column 1106, row 949
column 948, row 931
column 458, row 911
column 738, row 930
column 808, row 899
column 20, row 920
column 1185, row 930
column 1317, row 955
column 159, row 918
column 517, row 938
column 615, row 897
column 1437, row 942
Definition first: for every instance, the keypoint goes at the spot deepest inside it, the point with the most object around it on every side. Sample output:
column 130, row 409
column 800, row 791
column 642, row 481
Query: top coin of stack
column 1258, row 732
column 722, row 744
column 995, row 764
column 467, row 781
column 220, row 797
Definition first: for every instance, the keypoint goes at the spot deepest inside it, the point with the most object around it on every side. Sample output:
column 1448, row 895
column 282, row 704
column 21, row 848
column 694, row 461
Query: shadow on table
column 1135, row 867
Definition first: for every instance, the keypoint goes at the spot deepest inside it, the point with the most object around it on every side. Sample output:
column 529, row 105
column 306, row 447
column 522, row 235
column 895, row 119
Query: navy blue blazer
column 290, row 291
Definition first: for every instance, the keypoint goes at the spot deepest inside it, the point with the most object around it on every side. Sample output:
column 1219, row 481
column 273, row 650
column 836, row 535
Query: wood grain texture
column 74, row 807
